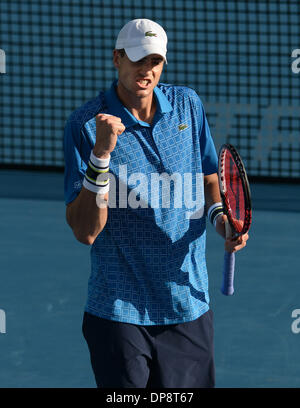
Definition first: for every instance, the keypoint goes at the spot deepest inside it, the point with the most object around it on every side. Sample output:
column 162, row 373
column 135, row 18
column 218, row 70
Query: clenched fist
column 108, row 128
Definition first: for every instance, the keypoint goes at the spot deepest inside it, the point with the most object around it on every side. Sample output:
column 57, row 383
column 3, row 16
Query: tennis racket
column 236, row 198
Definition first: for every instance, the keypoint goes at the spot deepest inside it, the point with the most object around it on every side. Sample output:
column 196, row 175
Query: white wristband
column 95, row 189
column 95, row 178
column 99, row 162
column 214, row 211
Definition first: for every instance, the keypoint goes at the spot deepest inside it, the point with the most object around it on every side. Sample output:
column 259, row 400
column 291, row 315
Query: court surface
column 44, row 274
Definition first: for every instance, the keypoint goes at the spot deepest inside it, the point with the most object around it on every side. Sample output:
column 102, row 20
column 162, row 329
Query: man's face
column 138, row 78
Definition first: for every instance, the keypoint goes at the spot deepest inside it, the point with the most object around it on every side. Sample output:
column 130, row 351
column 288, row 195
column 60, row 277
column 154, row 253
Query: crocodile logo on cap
column 150, row 34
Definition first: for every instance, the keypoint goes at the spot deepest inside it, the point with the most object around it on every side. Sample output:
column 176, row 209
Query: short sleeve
column 208, row 151
column 74, row 165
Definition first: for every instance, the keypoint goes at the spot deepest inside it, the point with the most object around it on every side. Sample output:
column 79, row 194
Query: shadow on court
column 44, row 274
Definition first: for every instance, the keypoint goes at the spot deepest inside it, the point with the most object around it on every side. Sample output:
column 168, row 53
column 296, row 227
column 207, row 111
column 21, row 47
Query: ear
column 116, row 59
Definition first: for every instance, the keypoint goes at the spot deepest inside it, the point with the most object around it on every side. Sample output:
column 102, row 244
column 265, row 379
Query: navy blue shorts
column 126, row 355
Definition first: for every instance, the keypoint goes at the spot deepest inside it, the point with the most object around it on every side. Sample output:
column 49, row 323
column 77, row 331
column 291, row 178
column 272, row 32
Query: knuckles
column 103, row 117
column 110, row 122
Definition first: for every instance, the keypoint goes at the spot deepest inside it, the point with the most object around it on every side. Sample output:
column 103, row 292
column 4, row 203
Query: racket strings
column 234, row 193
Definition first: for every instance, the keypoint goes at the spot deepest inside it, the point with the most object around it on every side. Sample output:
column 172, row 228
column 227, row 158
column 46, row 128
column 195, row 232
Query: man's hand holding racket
column 232, row 244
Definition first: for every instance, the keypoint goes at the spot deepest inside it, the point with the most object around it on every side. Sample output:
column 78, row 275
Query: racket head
column 234, row 189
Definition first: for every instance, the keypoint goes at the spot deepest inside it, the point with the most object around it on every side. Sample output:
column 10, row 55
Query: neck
column 141, row 108
column 144, row 112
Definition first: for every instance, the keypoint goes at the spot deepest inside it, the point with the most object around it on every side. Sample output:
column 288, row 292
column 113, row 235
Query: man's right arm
column 84, row 215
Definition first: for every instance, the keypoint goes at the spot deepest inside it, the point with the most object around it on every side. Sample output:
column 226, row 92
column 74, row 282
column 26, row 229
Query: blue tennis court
column 44, row 273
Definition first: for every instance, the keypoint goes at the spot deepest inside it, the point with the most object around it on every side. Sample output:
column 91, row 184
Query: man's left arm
column 212, row 196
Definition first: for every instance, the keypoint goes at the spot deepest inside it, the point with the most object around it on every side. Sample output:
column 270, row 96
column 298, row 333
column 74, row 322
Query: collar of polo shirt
column 116, row 108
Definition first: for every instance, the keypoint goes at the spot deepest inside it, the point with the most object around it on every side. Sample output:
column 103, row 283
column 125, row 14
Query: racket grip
column 228, row 274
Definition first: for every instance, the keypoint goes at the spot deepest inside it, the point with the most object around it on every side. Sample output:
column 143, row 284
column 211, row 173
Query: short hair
column 121, row 52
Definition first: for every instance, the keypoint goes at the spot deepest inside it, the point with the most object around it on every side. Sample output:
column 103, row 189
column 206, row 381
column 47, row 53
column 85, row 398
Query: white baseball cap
column 142, row 37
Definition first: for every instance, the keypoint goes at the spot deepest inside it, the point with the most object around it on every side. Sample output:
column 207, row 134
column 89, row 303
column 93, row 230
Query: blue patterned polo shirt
column 148, row 264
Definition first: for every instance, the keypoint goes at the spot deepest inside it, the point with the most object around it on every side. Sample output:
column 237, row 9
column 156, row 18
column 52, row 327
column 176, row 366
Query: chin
column 144, row 92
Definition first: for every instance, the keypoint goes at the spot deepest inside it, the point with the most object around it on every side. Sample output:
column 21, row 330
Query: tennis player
column 147, row 320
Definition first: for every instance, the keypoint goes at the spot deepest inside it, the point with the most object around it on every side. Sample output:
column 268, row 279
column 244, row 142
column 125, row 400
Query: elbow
column 82, row 232
column 84, row 238
column 81, row 236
